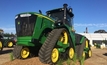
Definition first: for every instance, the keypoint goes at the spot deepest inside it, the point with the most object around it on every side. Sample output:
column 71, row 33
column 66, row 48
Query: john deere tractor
column 50, row 37
column 6, row 40
column 1, row 39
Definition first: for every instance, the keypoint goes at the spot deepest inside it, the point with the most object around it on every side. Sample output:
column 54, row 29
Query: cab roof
column 59, row 10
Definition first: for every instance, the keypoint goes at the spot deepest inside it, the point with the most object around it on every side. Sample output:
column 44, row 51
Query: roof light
column 25, row 15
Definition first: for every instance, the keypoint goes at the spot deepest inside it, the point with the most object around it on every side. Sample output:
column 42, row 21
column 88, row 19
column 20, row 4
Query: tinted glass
column 25, row 25
column 57, row 15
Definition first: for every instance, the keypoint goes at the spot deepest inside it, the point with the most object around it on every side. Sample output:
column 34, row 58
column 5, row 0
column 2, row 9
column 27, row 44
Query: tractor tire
column 49, row 49
column 16, row 52
column 10, row 44
column 70, row 51
column 1, row 45
column 68, row 54
column 80, row 50
column 20, row 52
column 89, row 53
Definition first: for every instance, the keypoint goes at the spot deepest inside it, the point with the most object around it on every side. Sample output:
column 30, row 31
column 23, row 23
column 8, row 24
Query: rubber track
column 16, row 52
column 80, row 49
column 49, row 44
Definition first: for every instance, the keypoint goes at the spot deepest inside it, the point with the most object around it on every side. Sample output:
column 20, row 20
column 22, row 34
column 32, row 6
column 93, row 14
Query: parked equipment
column 50, row 37
column 9, row 41
column 6, row 40
column 1, row 39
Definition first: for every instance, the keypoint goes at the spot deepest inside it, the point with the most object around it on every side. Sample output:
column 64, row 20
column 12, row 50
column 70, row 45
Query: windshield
column 25, row 24
column 56, row 16
column 70, row 20
column 59, row 16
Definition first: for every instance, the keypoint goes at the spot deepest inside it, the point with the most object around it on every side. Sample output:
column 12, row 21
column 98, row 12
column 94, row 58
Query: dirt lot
column 5, row 55
column 99, row 58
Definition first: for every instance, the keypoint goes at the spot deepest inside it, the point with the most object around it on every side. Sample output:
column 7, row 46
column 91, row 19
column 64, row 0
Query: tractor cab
column 63, row 15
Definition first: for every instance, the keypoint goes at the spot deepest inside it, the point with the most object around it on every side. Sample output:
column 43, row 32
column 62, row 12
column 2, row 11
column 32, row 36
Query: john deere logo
column 18, row 23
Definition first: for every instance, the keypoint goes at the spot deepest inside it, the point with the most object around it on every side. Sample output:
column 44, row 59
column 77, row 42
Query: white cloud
column 8, row 30
column 90, row 25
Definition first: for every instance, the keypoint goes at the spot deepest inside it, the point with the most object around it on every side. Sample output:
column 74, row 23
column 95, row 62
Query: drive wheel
column 49, row 53
column 71, row 53
column 1, row 46
column 64, row 37
column 20, row 52
column 55, row 55
column 86, row 44
column 89, row 53
column 25, row 52
column 83, row 54
column 10, row 44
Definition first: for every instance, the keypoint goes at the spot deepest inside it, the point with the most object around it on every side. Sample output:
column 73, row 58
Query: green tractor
column 50, row 37
column 6, row 40
column 9, row 40
column 1, row 39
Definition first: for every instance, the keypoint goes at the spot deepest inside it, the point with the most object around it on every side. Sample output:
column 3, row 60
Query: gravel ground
column 99, row 58
column 5, row 55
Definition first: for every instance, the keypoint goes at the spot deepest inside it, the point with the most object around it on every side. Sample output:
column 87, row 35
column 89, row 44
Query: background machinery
column 1, row 39
column 7, row 40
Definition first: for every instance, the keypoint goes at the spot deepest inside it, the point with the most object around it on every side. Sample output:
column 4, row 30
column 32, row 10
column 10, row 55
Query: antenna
column 40, row 11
